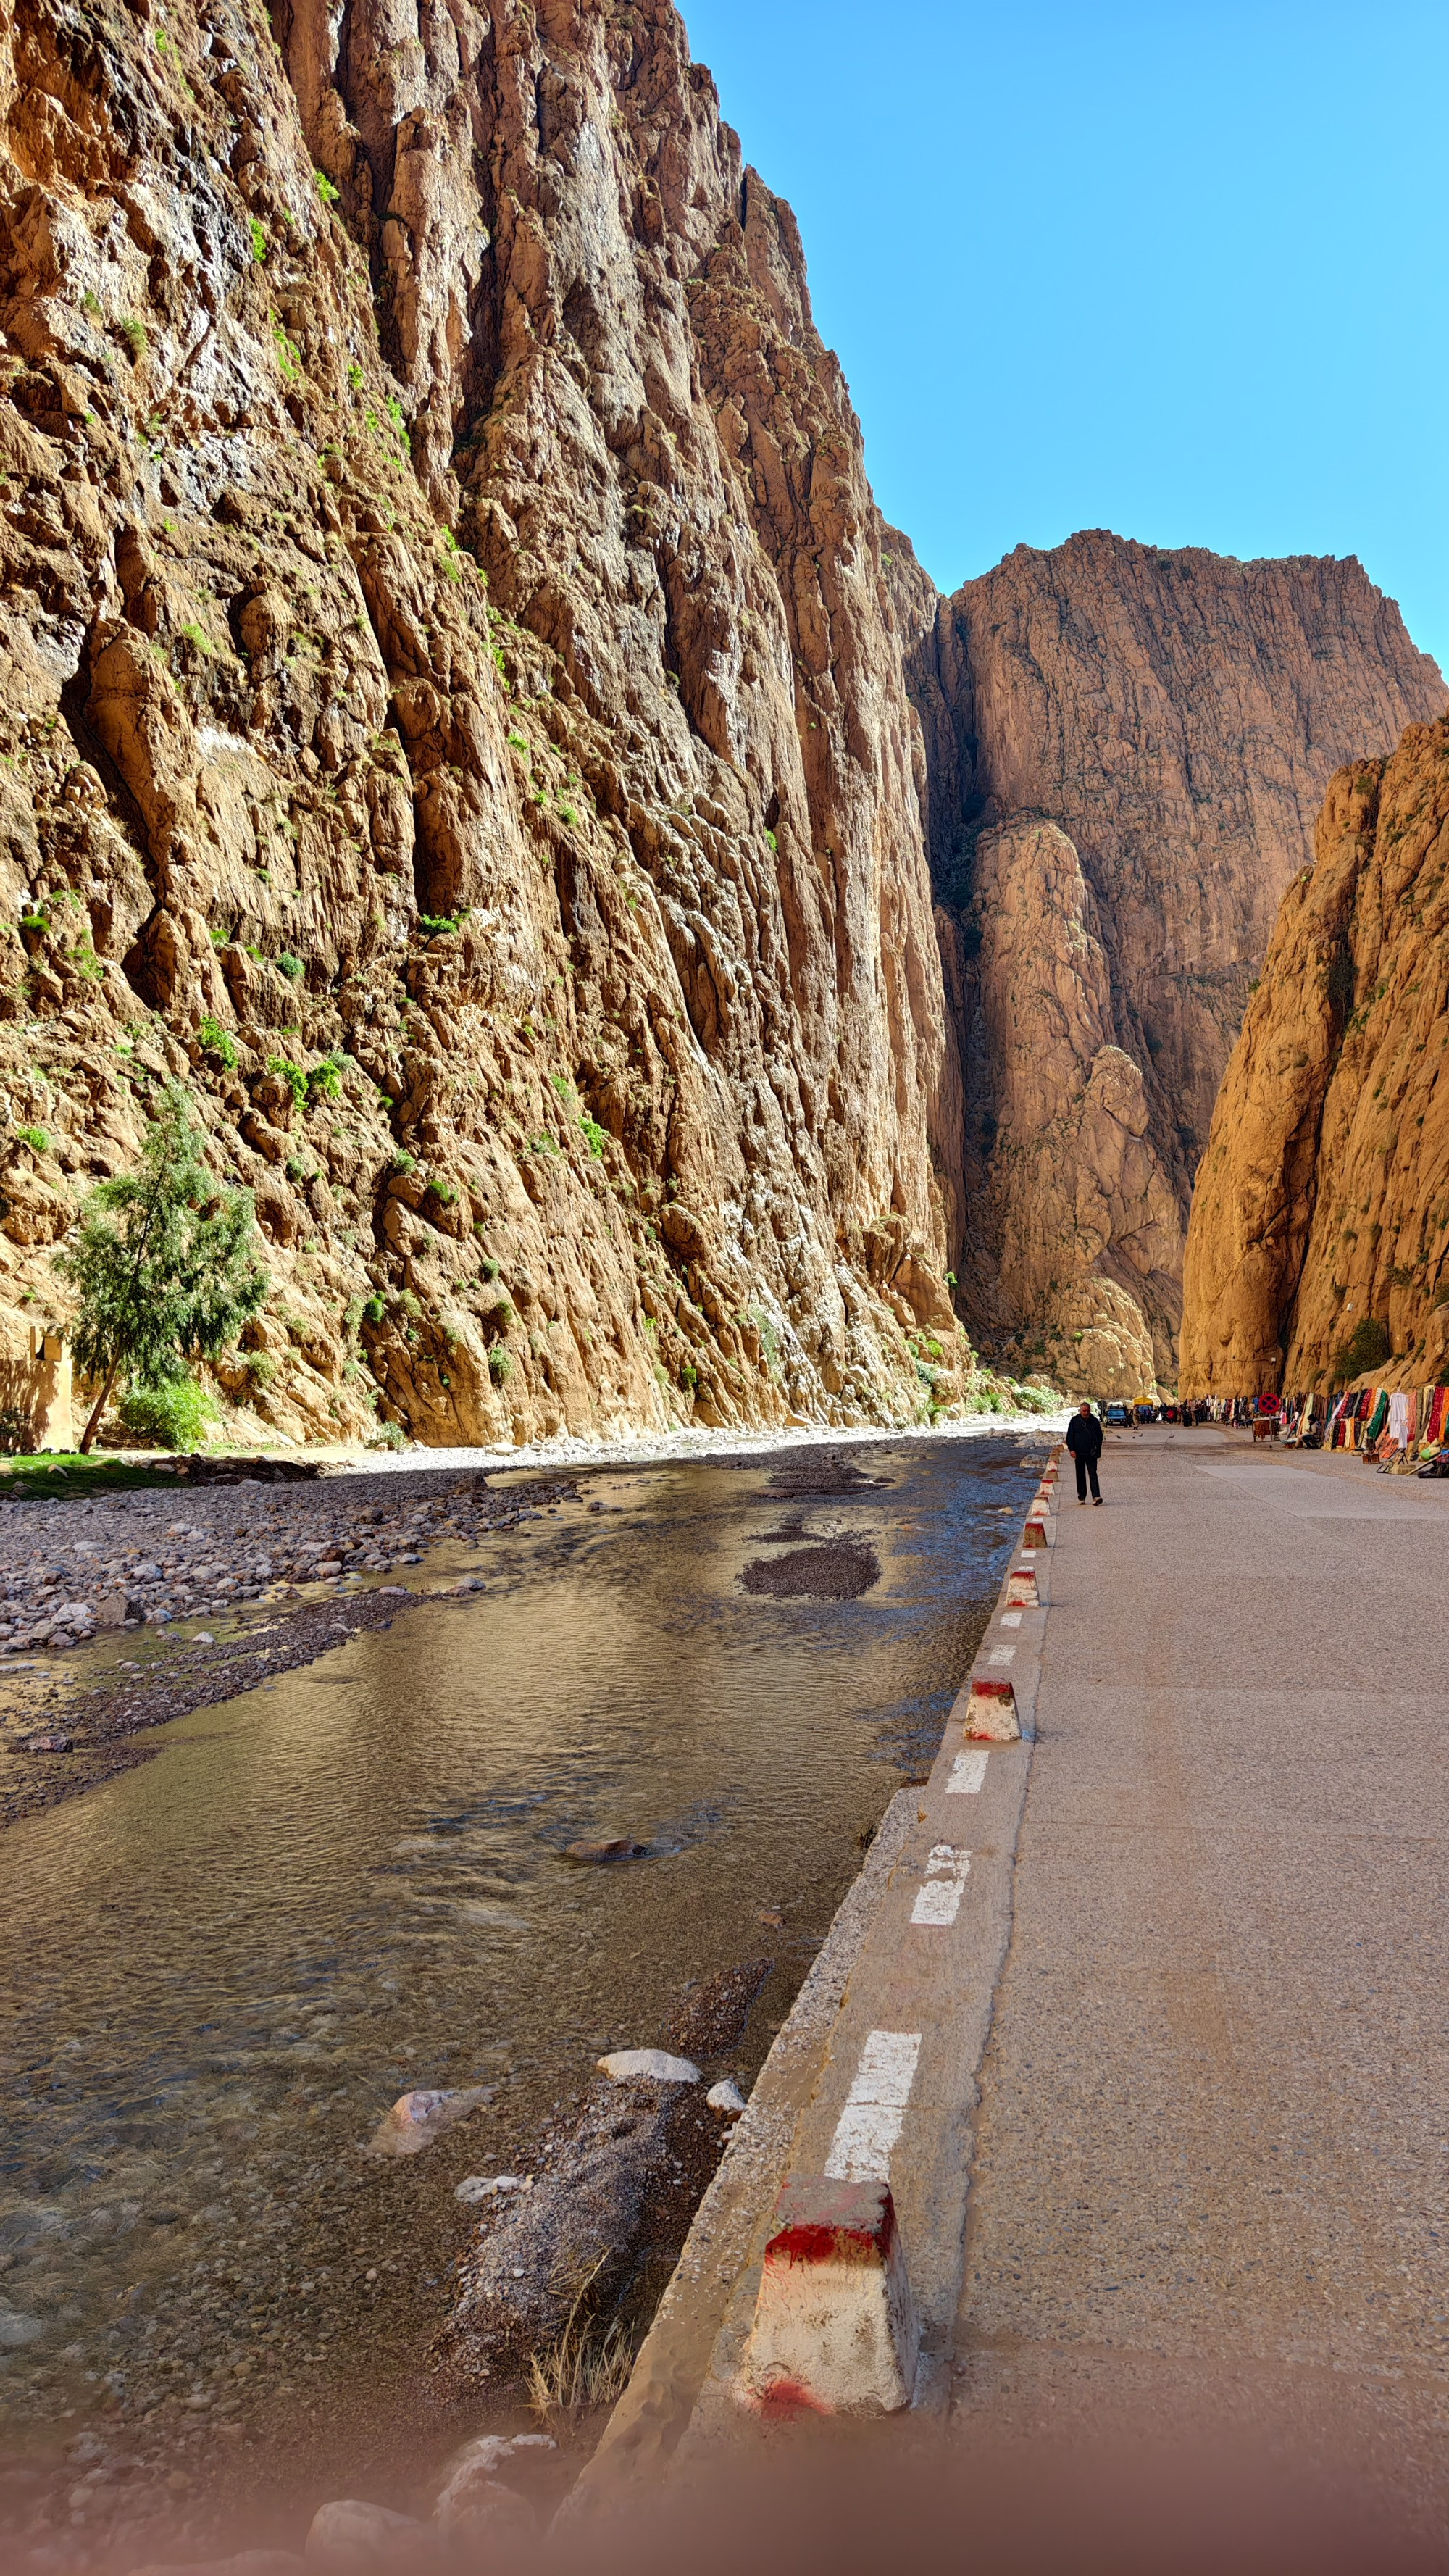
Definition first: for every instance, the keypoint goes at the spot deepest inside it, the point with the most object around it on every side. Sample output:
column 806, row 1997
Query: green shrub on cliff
column 1367, row 1347
column 163, row 1265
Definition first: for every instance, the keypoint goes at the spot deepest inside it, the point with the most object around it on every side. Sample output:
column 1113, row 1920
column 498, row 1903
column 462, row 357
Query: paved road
column 1210, row 2179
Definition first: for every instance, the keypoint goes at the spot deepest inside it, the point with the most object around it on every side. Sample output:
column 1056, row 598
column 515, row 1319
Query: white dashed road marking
column 1011, row 1618
column 875, row 2108
column 968, row 1772
column 1002, row 1655
column 939, row 1900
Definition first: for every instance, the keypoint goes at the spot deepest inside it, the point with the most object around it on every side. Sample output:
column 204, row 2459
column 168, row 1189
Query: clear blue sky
column 1179, row 270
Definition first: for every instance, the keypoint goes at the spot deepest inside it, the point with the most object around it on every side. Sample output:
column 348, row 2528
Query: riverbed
column 223, row 1966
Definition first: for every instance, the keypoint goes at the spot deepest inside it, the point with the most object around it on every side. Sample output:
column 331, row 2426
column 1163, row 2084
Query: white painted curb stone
column 834, row 2331
column 991, row 1714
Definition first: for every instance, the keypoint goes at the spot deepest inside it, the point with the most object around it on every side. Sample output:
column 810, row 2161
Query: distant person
column 1084, row 1439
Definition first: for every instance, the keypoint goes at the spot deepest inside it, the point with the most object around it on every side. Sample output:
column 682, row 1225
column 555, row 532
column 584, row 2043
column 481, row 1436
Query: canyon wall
column 452, row 719
column 1323, row 1200
column 1125, row 750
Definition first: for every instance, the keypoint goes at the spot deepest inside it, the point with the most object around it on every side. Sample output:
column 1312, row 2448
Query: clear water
column 220, row 1968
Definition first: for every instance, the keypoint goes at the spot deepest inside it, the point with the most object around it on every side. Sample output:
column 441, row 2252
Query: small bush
column 133, row 331
column 35, row 1137
column 489, row 1267
column 324, row 1082
column 443, row 1191
column 178, row 1414
column 327, row 189
column 260, row 1367
column 595, row 1136
column 500, row 1366
column 292, row 1074
column 374, row 1310
column 1367, row 1347
column 291, row 967
column 215, row 1040
column 403, row 1161
column 387, row 1436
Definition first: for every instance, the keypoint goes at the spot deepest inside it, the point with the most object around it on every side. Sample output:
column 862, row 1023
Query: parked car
column 1145, row 1412
column 1118, row 1414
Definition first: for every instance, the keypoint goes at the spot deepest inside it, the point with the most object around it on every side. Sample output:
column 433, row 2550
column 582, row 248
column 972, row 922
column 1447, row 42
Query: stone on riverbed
column 352, row 2536
column 416, row 2119
column 16, row 2331
column 647, row 2066
column 609, row 2211
column 476, row 2187
column 474, row 2502
column 620, row 1849
column 349, row 2536
column 726, row 2099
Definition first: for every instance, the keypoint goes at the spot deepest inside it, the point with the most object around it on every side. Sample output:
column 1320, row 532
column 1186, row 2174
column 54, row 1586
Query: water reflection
column 222, row 1966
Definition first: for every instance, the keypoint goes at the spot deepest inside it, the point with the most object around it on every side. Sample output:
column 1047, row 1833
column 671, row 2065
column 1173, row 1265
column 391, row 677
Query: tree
column 164, row 1265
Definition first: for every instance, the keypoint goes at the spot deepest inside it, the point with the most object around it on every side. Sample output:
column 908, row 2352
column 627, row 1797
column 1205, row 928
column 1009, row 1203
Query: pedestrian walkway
column 1209, row 2181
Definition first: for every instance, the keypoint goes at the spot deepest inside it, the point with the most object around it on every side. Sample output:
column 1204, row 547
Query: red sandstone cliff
column 1323, row 1199
column 452, row 717
column 1125, row 750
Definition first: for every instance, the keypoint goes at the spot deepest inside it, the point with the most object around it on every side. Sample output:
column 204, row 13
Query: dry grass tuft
column 586, row 2369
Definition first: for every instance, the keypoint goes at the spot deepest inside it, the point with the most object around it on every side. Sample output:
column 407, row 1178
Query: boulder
column 416, row 2119
column 352, row 2539
column 647, row 2066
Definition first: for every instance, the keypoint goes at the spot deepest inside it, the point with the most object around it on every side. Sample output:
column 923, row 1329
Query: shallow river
column 220, row 1968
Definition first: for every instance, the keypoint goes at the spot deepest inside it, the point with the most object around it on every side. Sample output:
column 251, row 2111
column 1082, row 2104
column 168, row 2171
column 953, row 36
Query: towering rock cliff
column 1125, row 750
column 452, row 719
column 1323, row 1200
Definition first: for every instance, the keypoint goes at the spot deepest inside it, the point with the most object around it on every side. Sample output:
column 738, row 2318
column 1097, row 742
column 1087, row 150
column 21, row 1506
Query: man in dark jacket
column 1084, row 1439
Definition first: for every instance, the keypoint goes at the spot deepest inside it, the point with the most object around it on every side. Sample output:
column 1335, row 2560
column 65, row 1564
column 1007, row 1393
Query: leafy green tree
column 165, row 1267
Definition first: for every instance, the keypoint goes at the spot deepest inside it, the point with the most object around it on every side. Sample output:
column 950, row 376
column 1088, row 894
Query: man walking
column 1084, row 1439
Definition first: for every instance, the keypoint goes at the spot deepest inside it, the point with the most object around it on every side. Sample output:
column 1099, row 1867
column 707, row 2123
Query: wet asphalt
column 1209, row 2197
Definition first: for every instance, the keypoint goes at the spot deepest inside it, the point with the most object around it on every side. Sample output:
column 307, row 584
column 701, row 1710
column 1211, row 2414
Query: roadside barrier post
column 834, row 2330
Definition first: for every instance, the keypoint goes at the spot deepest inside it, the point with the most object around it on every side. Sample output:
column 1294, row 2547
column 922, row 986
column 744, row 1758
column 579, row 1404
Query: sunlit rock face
column 1126, row 749
column 1323, row 1200
column 453, row 720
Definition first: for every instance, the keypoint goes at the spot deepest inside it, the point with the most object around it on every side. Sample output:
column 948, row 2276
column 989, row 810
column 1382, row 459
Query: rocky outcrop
column 1125, row 749
column 452, row 719
column 1323, row 1200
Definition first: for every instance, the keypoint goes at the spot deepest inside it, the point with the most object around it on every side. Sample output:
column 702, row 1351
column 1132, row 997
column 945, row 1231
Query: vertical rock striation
column 1125, row 750
column 1323, row 1199
column 453, row 719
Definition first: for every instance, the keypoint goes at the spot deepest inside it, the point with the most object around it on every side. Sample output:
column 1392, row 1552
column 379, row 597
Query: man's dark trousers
column 1087, row 1467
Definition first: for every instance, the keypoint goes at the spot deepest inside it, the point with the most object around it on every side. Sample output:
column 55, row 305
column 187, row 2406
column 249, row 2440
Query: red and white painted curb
column 991, row 1716
column 1021, row 1588
column 834, row 2330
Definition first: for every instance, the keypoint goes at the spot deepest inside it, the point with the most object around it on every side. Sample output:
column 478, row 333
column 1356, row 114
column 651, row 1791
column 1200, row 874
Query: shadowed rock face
column 1323, row 1199
column 1125, row 751
column 453, row 720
